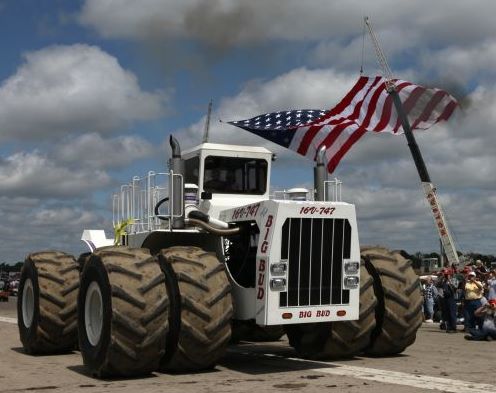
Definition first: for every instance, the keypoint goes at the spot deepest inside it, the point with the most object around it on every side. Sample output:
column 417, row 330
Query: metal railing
column 135, row 202
column 332, row 190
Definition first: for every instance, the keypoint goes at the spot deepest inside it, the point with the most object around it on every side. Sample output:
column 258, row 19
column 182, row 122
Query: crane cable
column 363, row 49
column 381, row 57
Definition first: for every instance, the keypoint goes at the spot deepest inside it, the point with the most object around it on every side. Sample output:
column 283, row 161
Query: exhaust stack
column 320, row 175
column 176, row 185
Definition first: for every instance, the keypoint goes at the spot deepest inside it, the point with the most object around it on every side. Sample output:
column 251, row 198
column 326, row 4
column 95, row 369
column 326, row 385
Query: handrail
column 136, row 200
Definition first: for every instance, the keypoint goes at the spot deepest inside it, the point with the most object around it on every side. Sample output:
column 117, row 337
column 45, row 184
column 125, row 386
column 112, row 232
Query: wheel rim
column 28, row 303
column 93, row 313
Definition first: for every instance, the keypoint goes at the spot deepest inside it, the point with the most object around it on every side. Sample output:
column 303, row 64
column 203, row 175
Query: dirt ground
column 437, row 361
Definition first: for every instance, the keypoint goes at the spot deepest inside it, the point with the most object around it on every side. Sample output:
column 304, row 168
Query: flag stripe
column 409, row 103
column 448, row 111
column 388, row 115
column 429, row 108
column 345, row 103
column 331, row 137
column 341, row 123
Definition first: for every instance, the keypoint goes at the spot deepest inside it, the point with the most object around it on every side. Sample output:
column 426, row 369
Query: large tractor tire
column 205, row 311
column 123, row 312
column 338, row 339
column 46, row 303
column 399, row 309
column 250, row 331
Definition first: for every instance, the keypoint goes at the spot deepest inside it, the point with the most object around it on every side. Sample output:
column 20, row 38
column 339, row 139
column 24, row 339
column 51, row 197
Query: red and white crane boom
column 428, row 187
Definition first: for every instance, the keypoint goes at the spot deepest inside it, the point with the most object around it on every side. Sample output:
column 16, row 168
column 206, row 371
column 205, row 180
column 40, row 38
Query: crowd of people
column 467, row 295
column 9, row 284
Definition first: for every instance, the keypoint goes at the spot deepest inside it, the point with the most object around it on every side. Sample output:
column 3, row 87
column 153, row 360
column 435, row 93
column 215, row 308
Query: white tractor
column 207, row 256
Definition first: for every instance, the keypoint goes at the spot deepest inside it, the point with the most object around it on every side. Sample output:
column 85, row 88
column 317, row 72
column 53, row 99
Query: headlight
column 351, row 282
column 352, row 267
column 278, row 269
column 278, row 284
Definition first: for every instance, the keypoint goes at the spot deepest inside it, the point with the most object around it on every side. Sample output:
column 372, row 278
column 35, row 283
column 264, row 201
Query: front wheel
column 122, row 312
column 203, row 320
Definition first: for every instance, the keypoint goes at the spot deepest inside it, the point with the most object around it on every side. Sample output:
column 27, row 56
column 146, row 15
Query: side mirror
column 206, row 195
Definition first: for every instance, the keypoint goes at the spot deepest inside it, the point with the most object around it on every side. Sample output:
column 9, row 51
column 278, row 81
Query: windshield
column 229, row 175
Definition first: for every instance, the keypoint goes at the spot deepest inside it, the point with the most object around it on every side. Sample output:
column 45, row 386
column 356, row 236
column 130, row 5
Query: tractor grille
column 315, row 249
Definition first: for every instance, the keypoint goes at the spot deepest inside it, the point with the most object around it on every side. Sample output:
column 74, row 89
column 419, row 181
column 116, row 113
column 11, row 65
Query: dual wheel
column 136, row 313
column 390, row 313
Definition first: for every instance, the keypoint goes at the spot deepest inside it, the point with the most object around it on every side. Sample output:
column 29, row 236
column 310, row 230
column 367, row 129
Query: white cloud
column 460, row 63
column 30, row 225
column 233, row 22
column 93, row 151
column 35, row 175
column 66, row 89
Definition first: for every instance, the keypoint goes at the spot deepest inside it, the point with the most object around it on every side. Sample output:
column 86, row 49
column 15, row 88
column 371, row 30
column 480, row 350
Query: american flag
column 366, row 107
column 279, row 127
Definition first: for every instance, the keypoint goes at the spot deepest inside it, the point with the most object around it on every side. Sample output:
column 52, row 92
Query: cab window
column 232, row 175
column 191, row 170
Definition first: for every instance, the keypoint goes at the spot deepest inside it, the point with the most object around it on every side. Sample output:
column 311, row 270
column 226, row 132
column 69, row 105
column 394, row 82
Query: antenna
column 207, row 122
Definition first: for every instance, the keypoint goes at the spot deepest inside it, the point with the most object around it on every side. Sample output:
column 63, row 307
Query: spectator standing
column 488, row 329
column 430, row 295
column 448, row 301
column 480, row 269
column 473, row 295
column 491, row 285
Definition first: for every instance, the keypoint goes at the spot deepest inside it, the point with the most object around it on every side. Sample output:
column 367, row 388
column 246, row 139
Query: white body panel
column 95, row 238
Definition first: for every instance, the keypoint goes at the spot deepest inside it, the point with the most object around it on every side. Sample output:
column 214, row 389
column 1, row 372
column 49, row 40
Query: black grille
column 315, row 249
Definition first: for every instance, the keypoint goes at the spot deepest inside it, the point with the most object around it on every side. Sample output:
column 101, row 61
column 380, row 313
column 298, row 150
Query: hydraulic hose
column 157, row 213
column 199, row 215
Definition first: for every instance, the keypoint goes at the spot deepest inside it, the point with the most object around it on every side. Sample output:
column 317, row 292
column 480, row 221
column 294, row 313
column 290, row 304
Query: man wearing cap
column 488, row 329
column 448, row 301
column 473, row 295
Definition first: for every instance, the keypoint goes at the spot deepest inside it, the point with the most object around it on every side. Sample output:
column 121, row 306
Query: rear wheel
column 46, row 305
column 399, row 311
column 338, row 339
column 123, row 311
column 204, row 327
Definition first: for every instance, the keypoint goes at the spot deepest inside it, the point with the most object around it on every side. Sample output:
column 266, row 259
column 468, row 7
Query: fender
column 95, row 238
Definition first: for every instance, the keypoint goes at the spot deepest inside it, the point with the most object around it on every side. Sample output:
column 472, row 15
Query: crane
column 428, row 187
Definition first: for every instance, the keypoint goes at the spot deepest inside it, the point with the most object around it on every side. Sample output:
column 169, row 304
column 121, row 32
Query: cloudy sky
column 91, row 90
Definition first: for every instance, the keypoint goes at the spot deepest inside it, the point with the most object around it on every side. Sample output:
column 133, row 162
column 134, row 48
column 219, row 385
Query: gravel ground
column 438, row 361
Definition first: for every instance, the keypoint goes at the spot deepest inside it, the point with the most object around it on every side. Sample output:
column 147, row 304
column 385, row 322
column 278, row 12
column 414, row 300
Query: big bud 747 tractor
column 210, row 255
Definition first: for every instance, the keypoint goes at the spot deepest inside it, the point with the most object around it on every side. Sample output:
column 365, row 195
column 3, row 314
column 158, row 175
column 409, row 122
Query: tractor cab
column 228, row 175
